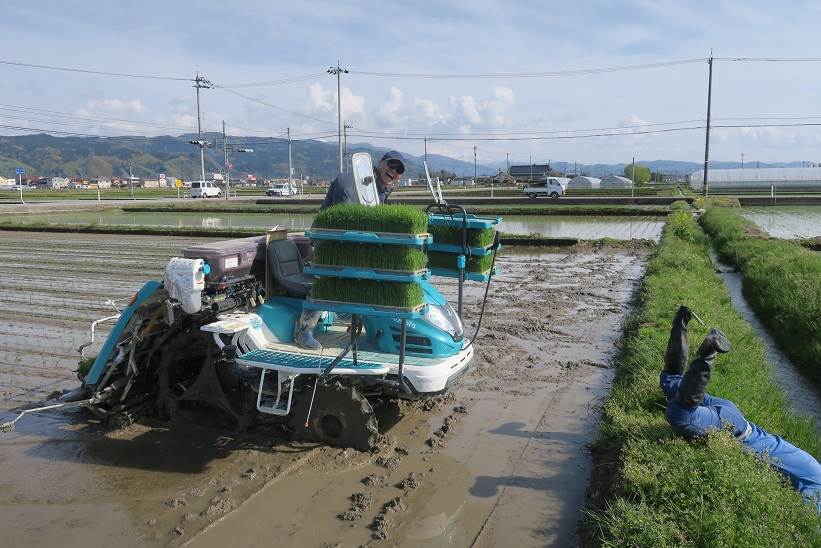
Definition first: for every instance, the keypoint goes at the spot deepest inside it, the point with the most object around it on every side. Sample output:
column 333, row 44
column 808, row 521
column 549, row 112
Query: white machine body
column 184, row 281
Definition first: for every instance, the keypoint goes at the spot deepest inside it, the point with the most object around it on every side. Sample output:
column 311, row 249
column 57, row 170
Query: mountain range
column 46, row 155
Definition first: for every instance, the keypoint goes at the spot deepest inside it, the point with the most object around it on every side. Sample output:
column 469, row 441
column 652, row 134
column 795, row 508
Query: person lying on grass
column 691, row 412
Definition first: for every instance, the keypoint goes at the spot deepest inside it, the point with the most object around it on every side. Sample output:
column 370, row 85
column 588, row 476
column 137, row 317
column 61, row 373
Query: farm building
column 583, row 181
column 530, row 172
column 616, row 181
column 782, row 178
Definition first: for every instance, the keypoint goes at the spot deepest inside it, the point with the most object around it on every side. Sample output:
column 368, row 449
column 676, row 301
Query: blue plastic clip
column 460, row 261
column 206, row 269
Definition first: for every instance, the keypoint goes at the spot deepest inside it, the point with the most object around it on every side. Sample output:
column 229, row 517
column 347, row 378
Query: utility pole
column 531, row 167
column 338, row 71
column 507, row 154
column 742, row 166
column 475, row 179
column 227, row 165
column 632, row 186
column 290, row 166
column 345, row 128
column 201, row 82
column 707, row 135
column 130, row 180
column 426, row 150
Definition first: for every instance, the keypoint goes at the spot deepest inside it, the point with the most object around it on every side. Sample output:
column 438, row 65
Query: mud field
column 502, row 459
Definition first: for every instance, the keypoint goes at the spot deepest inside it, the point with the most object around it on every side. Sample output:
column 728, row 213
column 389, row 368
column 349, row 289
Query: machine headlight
column 446, row 319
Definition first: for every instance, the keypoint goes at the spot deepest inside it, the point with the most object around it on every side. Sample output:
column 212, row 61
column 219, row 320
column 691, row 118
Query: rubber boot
column 305, row 339
column 693, row 385
column 675, row 357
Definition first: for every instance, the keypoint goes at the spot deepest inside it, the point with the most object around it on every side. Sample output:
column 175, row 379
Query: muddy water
column 803, row 398
column 500, row 459
column 786, row 221
column 552, row 226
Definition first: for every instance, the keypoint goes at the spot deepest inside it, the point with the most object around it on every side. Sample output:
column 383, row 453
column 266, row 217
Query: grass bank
column 652, row 488
column 781, row 280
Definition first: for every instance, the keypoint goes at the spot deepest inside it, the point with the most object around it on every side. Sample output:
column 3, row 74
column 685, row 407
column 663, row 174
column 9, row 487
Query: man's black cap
column 394, row 155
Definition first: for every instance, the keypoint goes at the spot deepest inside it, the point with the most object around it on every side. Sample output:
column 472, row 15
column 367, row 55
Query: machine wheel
column 531, row 195
column 340, row 417
column 554, row 195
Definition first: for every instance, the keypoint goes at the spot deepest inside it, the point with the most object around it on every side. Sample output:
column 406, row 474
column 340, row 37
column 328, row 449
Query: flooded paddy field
column 500, row 459
column 549, row 226
column 786, row 222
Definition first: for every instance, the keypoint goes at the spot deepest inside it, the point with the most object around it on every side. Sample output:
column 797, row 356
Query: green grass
column 451, row 235
column 781, row 280
column 448, row 260
column 652, row 488
column 398, row 294
column 385, row 218
column 387, row 257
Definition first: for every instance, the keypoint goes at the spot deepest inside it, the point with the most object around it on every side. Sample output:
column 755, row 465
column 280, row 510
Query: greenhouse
column 616, row 181
column 780, row 178
column 582, row 181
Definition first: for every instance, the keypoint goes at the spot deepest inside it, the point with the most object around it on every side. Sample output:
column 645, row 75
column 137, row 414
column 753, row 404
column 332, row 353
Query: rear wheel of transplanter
column 340, row 417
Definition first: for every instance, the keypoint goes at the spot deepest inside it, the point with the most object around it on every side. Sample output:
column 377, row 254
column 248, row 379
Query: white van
column 205, row 189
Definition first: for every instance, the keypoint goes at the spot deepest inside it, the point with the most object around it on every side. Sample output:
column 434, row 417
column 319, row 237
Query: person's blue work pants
column 803, row 471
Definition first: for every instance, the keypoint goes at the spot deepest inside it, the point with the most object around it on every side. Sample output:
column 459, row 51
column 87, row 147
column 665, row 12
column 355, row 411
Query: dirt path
column 502, row 459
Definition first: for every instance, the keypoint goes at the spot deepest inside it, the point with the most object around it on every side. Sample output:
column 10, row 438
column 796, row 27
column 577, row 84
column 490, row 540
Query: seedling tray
column 366, row 273
column 455, row 221
column 365, row 309
column 472, row 276
column 457, row 249
column 417, row 240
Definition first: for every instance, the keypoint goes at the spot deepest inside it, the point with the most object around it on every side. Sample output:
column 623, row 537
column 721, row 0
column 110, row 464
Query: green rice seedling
column 397, row 294
column 385, row 218
column 453, row 235
column 480, row 264
column 380, row 257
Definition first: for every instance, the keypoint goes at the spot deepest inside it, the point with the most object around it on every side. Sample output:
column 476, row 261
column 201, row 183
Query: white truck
column 549, row 186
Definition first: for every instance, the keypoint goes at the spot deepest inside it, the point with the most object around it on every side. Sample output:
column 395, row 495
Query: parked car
column 18, row 188
column 205, row 189
column 550, row 186
column 281, row 189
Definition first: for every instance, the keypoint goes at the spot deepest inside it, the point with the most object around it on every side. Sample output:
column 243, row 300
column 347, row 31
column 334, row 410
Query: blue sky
column 257, row 41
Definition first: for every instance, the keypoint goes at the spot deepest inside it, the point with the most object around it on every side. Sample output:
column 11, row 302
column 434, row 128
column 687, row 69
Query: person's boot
column 675, row 357
column 305, row 339
column 693, row 385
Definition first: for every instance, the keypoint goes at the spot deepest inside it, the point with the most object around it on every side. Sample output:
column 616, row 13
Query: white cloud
column 112, row 106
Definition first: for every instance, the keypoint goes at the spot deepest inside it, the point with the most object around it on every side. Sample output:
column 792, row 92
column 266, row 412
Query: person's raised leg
column 675, row 357
column 693, row 386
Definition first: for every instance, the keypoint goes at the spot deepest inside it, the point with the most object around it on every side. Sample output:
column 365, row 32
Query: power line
column 546, row 74
column 264, row 103
column 531, row 138
column 97, row 72
column 282, row 81
column 771, row 59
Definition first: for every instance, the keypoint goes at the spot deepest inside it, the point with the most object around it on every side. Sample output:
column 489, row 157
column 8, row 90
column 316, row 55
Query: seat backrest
column 284, row 259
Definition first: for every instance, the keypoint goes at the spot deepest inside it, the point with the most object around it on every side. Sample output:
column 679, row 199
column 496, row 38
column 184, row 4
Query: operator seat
column 285, row 264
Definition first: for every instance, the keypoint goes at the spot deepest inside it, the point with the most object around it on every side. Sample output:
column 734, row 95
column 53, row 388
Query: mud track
column 502, row 459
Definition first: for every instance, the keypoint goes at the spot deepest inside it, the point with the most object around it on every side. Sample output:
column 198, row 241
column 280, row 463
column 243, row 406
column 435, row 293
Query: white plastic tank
column 184, row 281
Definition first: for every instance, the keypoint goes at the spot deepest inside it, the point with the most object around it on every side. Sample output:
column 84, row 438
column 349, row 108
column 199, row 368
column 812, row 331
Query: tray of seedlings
column 369, row 260
column 448, row 231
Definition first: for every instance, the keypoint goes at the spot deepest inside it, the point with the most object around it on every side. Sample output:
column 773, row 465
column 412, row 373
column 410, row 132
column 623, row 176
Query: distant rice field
column 786, row 222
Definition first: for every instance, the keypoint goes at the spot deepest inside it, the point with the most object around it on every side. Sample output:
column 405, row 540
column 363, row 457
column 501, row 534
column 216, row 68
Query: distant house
column 151, row 183
column 58, row 183
column 503, row 178
column 530, row 172
column 616, row 181
column 103, row 182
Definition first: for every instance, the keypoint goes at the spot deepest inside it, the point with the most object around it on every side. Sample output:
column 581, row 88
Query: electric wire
column 546, row 74
column 96, row 72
